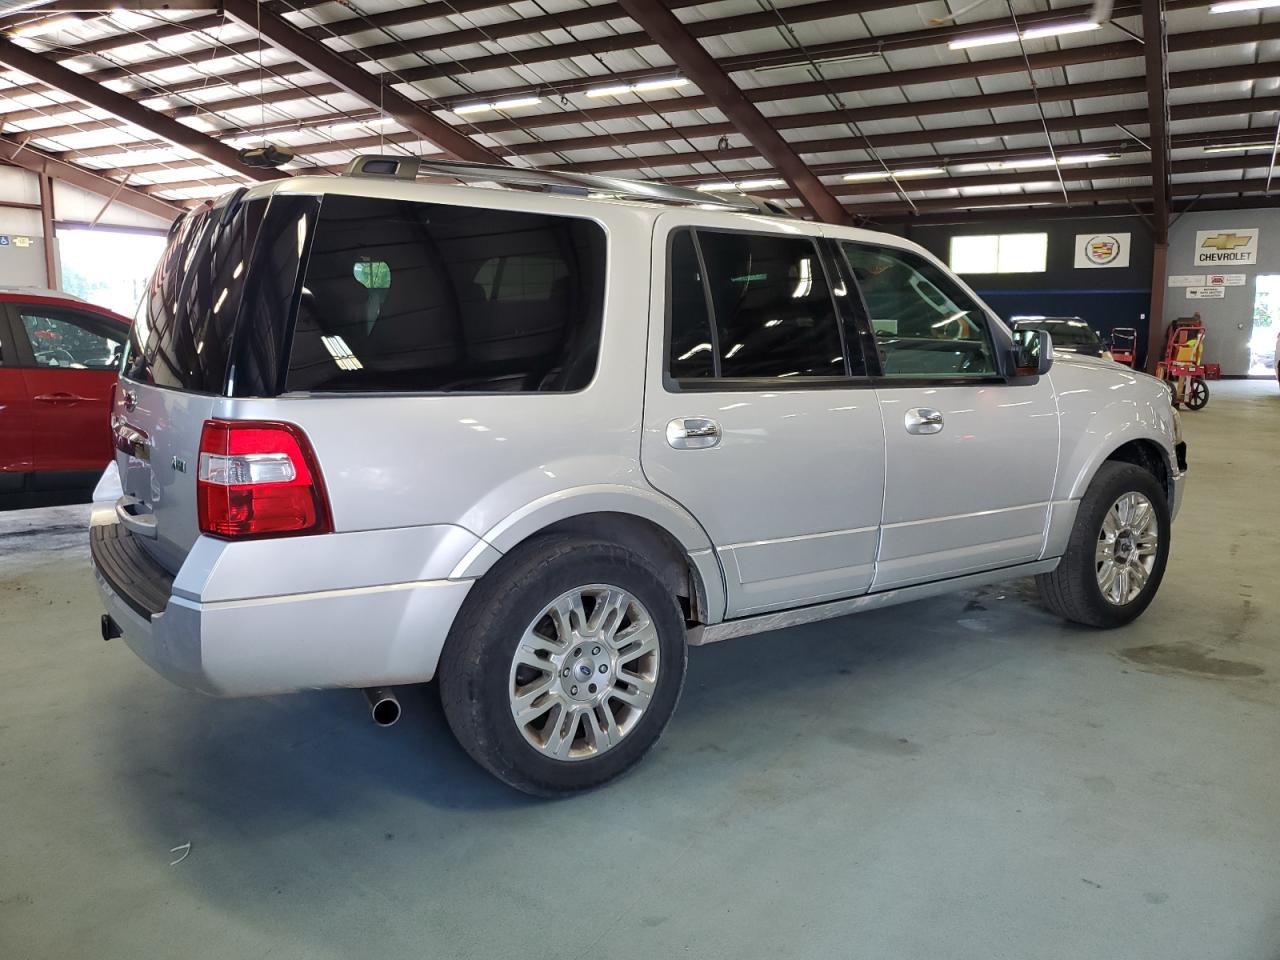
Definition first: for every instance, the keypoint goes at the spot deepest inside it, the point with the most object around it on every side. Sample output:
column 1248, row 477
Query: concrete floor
column 964, row 777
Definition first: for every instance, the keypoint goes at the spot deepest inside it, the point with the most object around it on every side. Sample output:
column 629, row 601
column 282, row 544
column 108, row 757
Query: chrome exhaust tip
column 384, row 708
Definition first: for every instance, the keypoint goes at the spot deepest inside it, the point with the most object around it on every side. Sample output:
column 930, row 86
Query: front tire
column 564, row 665
column 1117, row 553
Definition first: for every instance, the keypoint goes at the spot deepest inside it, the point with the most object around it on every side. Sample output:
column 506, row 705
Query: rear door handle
column 130, row 513
column 693, row 433
column 59, row 398
column 924, row 420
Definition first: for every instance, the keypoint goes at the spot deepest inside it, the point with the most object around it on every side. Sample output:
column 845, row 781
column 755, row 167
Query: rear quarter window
column 420, row 297
column 182, row 333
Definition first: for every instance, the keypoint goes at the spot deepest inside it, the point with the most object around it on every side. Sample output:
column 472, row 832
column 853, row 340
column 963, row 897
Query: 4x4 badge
column 178, row 464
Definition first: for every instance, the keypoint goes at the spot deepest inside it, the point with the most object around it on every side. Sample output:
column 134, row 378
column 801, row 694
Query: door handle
column 693, row 433
column 59, row 398
column 924, row 420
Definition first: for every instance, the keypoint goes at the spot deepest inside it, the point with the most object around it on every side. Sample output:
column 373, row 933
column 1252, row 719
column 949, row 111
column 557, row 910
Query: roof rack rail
column 554, row 181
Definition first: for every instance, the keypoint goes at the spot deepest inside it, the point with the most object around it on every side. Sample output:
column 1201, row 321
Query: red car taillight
column 259, row 479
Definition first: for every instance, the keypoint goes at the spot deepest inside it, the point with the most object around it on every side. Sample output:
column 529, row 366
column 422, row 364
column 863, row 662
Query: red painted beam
column 39, row 162
column 357, row 81
column 127, row 109
column 700, row 67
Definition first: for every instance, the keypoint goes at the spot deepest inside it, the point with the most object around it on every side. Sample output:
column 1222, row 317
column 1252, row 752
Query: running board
column 781, row 619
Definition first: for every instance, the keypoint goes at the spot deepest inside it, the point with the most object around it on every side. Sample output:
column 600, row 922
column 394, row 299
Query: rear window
column 404, row 296
column 181, row 337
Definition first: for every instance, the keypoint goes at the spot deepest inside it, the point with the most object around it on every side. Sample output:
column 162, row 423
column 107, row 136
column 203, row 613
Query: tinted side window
column 925, row 324
column 67, row 340
column 410, row 296
column 773, row 310
column 691, row 348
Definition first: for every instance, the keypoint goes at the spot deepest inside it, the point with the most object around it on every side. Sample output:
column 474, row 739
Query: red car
column 58, row 363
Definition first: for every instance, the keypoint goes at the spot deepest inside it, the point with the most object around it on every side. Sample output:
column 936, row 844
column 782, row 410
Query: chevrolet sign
column 1226, row 247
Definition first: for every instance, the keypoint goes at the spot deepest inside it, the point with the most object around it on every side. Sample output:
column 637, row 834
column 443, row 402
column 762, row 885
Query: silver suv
column 535, row 439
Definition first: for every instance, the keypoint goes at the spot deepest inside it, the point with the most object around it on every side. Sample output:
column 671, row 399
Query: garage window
column 1000, row 253
column 423, row 297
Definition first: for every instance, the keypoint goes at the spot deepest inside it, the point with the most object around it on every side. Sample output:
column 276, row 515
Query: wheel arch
column 1145, row 452
column 656, row 528
column 1149, row 455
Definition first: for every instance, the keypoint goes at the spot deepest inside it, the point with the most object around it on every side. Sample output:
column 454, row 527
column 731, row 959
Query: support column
column 46, row 221
column 1155, row 319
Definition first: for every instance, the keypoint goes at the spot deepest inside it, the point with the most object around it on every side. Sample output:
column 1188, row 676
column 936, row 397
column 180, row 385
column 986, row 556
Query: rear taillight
column 259, row 479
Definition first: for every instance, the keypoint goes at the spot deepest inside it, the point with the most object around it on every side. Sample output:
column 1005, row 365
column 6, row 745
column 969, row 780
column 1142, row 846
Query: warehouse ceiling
column 868, row 110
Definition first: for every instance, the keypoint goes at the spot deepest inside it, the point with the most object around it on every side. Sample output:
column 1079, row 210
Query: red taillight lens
column 259, row 479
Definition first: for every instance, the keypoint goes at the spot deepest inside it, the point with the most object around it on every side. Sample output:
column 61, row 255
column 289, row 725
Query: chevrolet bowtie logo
column 1226, row 241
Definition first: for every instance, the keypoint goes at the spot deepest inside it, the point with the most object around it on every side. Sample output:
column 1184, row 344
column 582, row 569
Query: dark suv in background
column 1069, row 333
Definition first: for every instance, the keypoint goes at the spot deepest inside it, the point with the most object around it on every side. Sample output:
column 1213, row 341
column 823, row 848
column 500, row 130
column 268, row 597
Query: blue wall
column 1105, row 298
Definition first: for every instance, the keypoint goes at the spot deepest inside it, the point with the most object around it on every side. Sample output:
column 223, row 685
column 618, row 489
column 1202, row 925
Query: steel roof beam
column 127, row 109
column 37, row 161
column 1158, row 82
column 802, row 13
column 700, row 67
column 1123, row 194
column 1072, row 56
column 904, row 111
column 358, row 82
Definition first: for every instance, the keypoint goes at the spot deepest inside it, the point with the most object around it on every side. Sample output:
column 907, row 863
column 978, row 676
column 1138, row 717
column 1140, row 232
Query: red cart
column 1124, row 345
column 1182, row 366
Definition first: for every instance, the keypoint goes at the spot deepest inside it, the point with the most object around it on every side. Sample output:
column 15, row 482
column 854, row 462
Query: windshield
column 1065, row 331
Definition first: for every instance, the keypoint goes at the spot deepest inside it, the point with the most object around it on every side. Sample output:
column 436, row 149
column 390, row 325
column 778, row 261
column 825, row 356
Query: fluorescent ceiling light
column 1061, row 161
column 895, row 174
column 510, row 104
column 1235, row 6
column 44, row 26
column 618, row 89
column 1237, row 147
column 741, row 185
column 1058, row 29
column 1031, row 33
column 348, row 125
column 983, row 40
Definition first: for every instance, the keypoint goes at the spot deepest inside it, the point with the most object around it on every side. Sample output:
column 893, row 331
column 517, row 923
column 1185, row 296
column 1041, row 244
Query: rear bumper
column 383, row 634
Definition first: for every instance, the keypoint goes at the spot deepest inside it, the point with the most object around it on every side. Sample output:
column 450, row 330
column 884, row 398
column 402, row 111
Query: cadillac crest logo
column 1102, row 249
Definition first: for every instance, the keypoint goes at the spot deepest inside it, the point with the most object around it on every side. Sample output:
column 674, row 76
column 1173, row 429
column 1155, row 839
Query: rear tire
column 1116, row 556
column 564, row 665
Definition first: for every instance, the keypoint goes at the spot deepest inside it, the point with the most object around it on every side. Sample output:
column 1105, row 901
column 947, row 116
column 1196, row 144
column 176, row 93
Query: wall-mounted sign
column 21, row 241
column 1226, row 247
column 1226, row 280
column 15, row 241
column 1187, row 280
column 1102, row 249
column 1206, row 293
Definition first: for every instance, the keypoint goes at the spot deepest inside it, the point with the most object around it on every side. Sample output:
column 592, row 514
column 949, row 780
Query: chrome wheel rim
column 1127, row 547
column 584, row 672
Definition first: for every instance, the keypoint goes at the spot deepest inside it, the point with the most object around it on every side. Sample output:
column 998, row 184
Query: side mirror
column 1032, row 352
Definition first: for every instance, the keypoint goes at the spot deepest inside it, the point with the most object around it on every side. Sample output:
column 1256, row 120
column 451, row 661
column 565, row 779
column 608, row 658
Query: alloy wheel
column 584, row 672
column 1127, row 547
